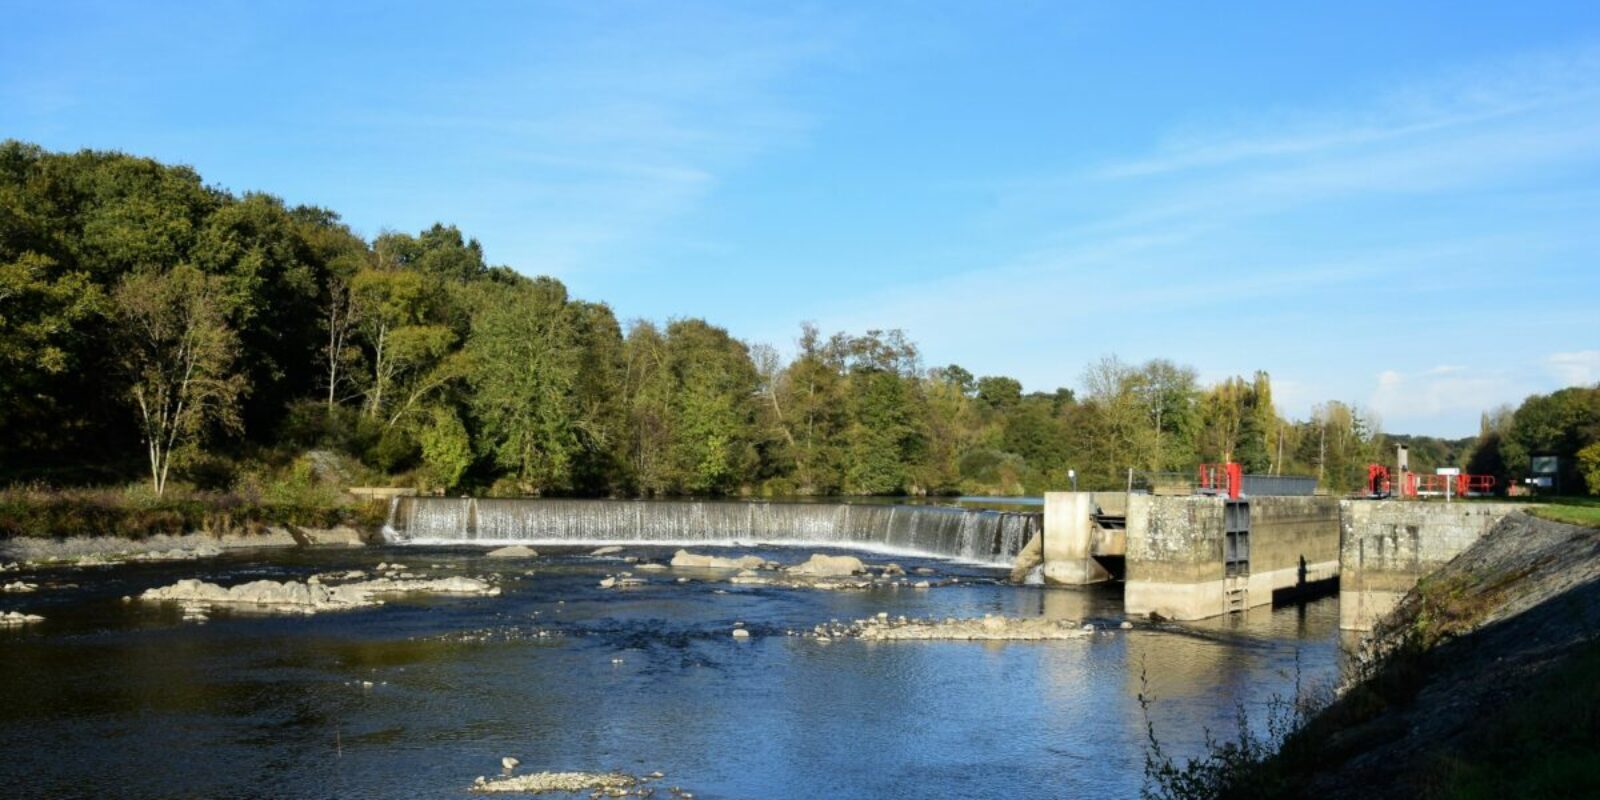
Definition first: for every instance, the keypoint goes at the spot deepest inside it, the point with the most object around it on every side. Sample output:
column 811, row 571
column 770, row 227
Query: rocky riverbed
column 885, row 627
column 313, row 595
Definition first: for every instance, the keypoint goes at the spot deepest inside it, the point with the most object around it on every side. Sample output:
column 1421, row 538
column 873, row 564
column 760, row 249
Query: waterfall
column 987, row 537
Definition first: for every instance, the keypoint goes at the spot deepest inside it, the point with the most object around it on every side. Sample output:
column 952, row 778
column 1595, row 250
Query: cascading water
column 988, row 537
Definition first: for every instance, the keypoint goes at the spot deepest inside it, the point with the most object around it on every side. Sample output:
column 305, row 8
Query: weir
column 979, row 536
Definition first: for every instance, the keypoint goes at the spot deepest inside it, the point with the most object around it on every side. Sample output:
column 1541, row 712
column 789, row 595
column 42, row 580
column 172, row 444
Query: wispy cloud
column 1581, row 368
column 1309, row 242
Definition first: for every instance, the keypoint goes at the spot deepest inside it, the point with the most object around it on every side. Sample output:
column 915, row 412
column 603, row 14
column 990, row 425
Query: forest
column 156, row 329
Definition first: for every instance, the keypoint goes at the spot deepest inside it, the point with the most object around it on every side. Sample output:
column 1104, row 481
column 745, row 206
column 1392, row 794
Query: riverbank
column 1484, row 682
column 44, row 526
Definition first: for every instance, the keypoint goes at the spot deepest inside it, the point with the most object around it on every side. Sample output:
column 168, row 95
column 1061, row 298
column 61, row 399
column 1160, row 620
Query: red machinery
column 1378, row 484
column 1448, row 485
column 1415, row 485
column 1221, row 479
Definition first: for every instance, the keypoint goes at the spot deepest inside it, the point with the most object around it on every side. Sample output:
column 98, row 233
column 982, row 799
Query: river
column 126, row 699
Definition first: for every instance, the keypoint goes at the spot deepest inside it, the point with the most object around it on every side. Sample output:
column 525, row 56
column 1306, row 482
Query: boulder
column 514, row 551
column 684, row 558
column 605, row 551
column 824, row 566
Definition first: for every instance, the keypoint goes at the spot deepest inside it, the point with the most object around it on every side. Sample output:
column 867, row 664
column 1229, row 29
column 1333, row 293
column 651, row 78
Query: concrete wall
column 1293, row 541
column 1071, row 539
column 1174, row 556
column 1387, row 545
column 1175, row 552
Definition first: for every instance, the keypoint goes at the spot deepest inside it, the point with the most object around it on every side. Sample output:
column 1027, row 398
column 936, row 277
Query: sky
column 1395, row 205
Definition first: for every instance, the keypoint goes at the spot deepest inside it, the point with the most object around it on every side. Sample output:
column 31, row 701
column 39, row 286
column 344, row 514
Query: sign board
column 1544, row 465
column 1451, row 471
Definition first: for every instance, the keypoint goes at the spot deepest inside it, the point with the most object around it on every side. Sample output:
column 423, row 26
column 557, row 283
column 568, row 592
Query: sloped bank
column 1484, row 682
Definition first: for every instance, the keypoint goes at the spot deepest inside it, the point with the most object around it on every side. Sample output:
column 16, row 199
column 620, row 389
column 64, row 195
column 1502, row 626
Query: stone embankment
column 86, row 551
column 1461, row 655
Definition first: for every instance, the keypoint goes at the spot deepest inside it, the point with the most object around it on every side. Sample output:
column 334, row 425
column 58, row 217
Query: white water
column 986, row 537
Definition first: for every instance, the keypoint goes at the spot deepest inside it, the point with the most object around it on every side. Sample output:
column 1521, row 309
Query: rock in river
column 823, row 566
column 311, row 597
column 514, row 551
column 684, row 558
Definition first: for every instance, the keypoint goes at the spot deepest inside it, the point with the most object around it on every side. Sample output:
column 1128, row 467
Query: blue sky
column 1392, row 204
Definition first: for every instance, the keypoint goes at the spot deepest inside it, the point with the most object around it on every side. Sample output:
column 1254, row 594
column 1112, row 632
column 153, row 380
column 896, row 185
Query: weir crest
column 979, row 536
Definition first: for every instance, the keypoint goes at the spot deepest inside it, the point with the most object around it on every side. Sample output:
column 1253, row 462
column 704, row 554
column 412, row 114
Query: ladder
column 1235, row 594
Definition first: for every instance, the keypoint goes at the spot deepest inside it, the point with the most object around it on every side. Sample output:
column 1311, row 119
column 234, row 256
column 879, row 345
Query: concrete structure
column 1190, row 557
column 1388, row 545
column 1079, row 527
column 1197, row 557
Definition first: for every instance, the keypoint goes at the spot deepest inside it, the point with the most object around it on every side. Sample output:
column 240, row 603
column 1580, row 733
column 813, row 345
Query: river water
column 114, row 699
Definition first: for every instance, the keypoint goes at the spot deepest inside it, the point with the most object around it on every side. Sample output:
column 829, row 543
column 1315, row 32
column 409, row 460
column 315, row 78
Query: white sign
column 1452, row 471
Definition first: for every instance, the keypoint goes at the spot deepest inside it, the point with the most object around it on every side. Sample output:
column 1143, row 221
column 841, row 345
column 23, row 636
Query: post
column 1130, row 480
column 1072, row 475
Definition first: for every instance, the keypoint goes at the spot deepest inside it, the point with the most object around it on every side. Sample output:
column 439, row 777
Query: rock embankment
column 86, row 551
column 989, row 628
column 312, row 596
column 1464, row 650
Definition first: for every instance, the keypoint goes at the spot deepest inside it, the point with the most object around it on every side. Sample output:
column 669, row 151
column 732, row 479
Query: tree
column 1168, row 393
column 712, row 430
column 524, row 359
column 177, row 354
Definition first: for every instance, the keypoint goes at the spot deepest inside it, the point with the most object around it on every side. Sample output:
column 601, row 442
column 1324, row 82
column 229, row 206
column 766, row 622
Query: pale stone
column 571, row 782
column 825, row 566
column 684, row 558
column 311, row 597
column 514, row 551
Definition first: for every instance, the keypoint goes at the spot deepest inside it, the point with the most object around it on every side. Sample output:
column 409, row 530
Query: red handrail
column 1222, row 479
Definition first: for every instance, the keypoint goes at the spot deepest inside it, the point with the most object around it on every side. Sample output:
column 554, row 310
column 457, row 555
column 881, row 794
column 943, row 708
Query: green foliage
column 414, row 355
column 446, row 448
column 1589, row 466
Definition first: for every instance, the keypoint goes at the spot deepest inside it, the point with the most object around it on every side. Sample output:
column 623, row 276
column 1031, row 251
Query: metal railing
column 1187, row 483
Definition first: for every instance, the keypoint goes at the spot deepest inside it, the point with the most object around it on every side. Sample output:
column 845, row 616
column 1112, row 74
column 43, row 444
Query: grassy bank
column 1583, row 511
column 137, row 513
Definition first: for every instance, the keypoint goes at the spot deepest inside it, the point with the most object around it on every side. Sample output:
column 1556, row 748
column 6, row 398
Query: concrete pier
column 1388, row 545
column 1073, row 536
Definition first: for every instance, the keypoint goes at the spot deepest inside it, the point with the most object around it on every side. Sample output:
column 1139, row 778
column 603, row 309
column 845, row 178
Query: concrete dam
column 979, row 536
column 1182, row 557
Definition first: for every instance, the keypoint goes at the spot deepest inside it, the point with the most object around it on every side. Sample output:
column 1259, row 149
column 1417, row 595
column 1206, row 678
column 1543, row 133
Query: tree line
column 151, row 325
